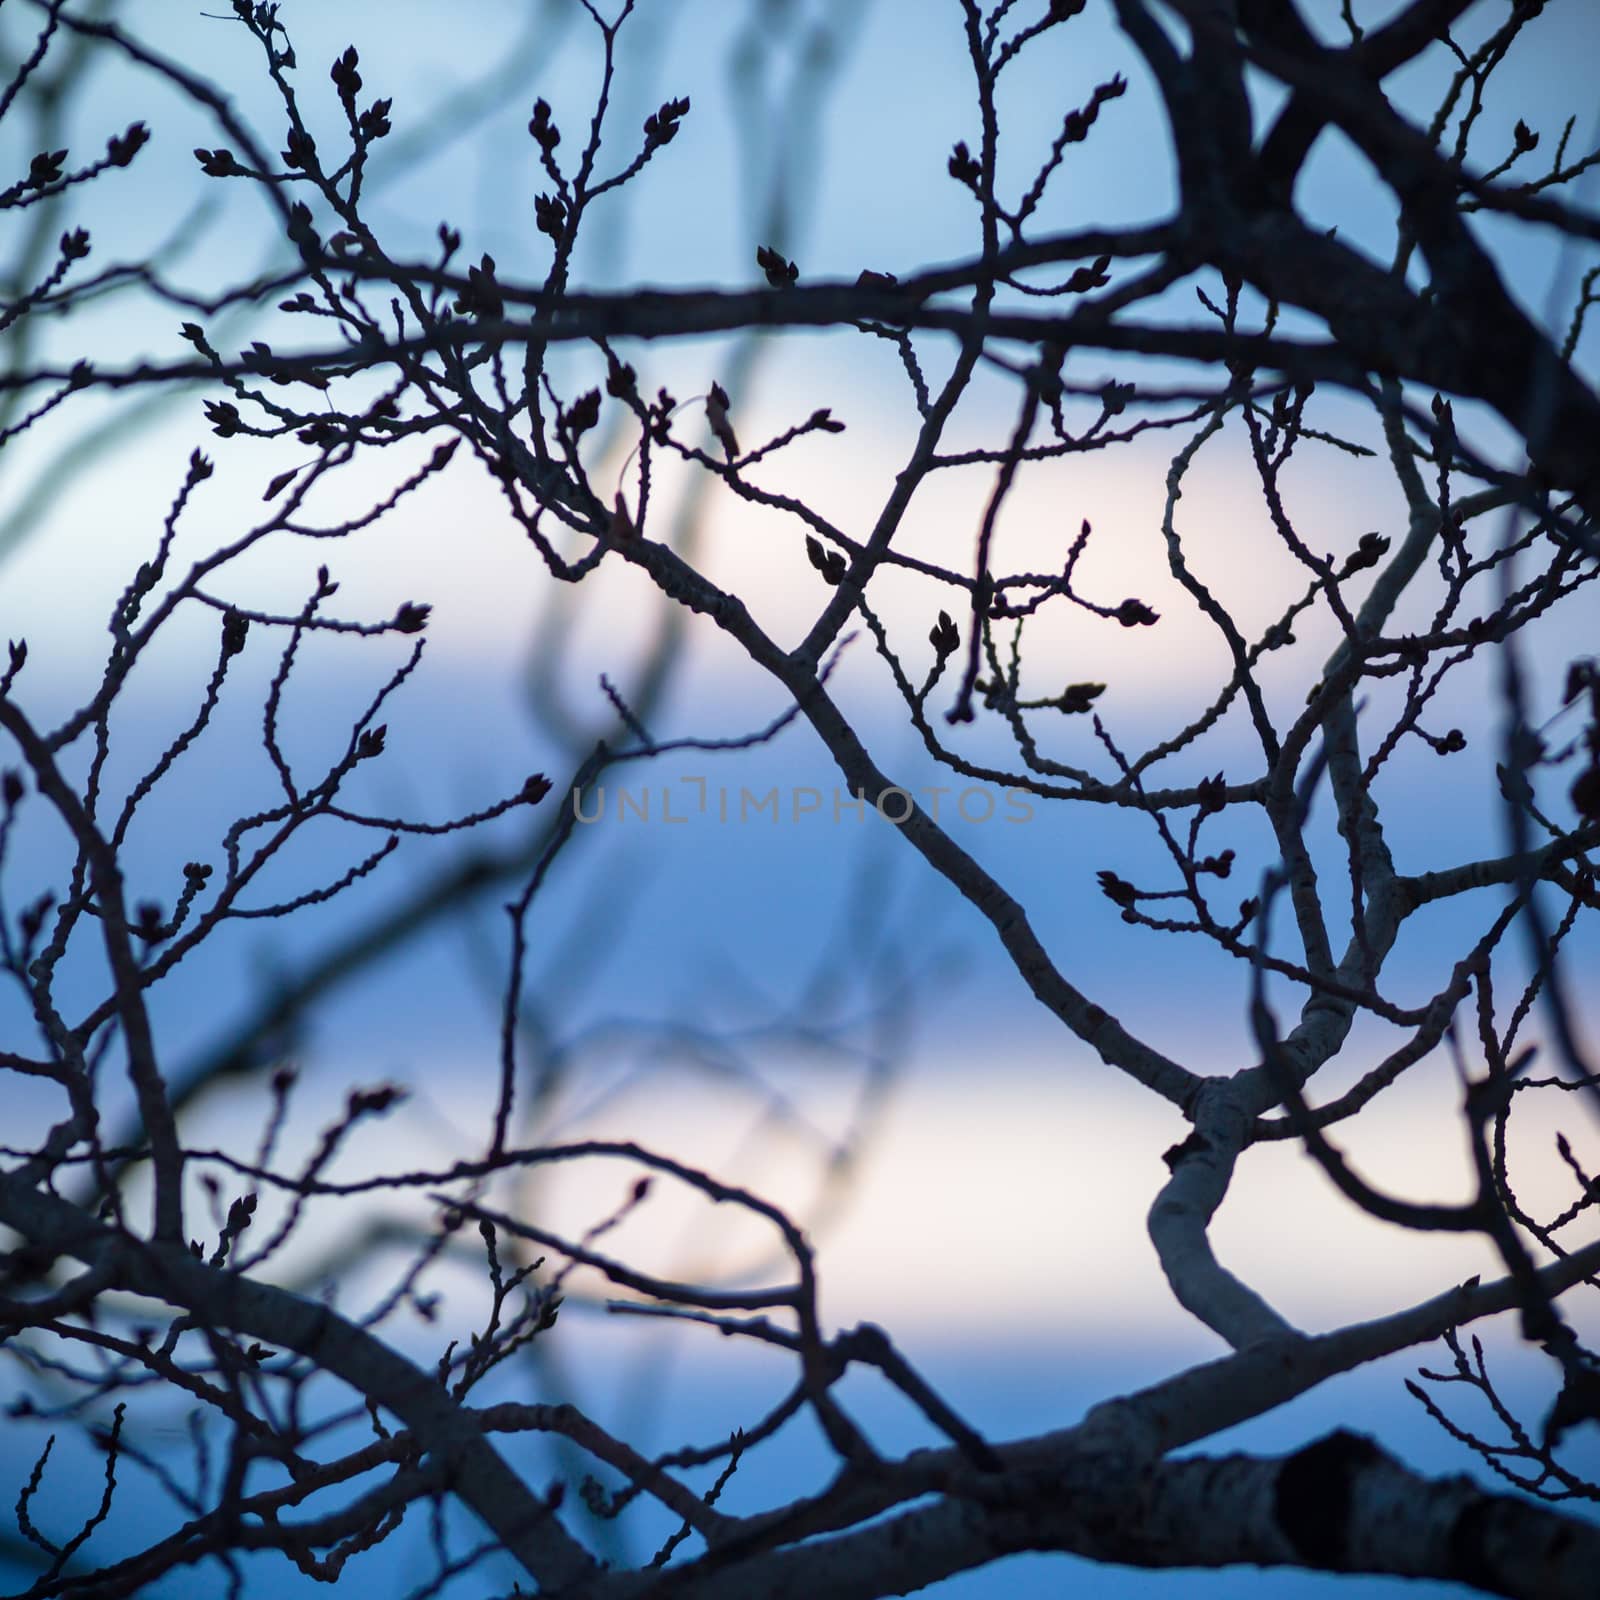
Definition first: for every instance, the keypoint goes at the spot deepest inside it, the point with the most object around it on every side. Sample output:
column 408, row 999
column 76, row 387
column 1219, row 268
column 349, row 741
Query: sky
column 794, row 1002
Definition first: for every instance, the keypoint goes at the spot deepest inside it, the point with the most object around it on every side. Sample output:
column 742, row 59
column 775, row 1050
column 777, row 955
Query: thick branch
column 219, row 1299
column 1182, row 1212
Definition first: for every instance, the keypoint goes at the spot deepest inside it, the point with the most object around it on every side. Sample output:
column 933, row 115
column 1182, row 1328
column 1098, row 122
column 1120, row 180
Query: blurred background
column 792, row 1001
